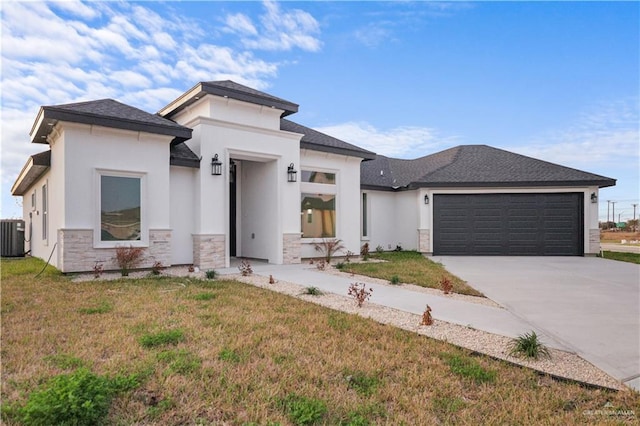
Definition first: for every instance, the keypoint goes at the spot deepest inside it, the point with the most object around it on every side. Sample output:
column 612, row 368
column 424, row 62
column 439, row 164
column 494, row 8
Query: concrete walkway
column 588, row 304
column 494, row 320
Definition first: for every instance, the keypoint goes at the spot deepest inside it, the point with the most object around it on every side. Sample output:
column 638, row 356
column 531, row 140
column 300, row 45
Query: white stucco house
column 221, row 173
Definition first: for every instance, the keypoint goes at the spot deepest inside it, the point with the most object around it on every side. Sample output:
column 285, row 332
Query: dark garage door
column 508, row 224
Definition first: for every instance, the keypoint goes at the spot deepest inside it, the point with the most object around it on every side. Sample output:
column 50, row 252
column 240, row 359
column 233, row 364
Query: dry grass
column 617, row 236
column 247, row 350
column 411, row 268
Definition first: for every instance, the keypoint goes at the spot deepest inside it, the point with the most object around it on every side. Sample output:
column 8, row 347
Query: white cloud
column 280, row 29
column 55, row 53
column 399, row 142
column 373, row 35
column 605, row 135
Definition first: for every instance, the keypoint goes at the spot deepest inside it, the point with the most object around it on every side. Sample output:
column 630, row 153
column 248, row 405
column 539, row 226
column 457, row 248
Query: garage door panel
column 508, row 224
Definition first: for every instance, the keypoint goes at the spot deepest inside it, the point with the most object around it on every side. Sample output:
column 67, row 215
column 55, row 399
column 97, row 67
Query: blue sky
column 555, row 81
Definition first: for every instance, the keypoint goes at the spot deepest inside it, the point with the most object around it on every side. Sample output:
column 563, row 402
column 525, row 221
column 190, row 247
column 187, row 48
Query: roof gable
column 107, row 113
column 477, row 166
column 232, row 90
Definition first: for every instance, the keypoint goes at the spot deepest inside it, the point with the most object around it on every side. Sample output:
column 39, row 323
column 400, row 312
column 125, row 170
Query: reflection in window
column 318, row 177
column 318, row 215
column 119, row 208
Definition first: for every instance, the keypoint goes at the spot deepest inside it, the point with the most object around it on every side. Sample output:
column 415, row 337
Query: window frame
column 320, row 189
column 144, row 225
column 45, row 213
column 364, row 220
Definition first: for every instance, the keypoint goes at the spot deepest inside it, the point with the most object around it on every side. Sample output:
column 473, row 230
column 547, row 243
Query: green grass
column 161, row 338
column 102, row 308
column 528, row 345
column 253, row 356
column 623, row 257
column 410, row 267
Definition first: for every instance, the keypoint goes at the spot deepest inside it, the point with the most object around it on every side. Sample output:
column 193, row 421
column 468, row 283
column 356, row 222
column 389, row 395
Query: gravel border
column 561, row 364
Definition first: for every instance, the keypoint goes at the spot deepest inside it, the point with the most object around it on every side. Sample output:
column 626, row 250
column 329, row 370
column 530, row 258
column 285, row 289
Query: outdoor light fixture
column 292, row 174
column 594, row 197
column 216, row 166
column 426, row 199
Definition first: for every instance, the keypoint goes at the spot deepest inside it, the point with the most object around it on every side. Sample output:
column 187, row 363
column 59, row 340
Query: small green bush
column 161, row 338
column 302, row 410
column 395, row 280
column 339, row 266
column 528, row 345
column 313, row 291
column 80, row 398
column 211, row 274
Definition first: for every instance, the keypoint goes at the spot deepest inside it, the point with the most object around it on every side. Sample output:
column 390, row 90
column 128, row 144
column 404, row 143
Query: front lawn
column 624, row 257
column 169, row 351
column 410, row 267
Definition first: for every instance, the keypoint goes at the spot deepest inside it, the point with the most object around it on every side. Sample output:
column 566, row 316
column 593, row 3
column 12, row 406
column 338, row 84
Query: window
column 33, row 200
column 318, row 177
column 320, row 212
column 45, row 203
column 121, row 209
column 318, row 204
column 365, row 213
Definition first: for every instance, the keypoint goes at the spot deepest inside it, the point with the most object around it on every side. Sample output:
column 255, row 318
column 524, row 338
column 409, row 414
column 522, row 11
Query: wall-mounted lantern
column 426, row 199
column 216, row 166
column 594, row 198
column 292, row 174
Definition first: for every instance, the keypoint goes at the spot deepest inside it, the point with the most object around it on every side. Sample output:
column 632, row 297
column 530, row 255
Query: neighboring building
column 220, row 173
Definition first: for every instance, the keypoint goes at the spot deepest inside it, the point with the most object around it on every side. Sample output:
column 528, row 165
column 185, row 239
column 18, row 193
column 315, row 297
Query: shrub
column 348, row 255
column 446, row 285
column 271, row 279
column 321, row 264
column 395, row 279
column 161, row 338
column 379, row 249
column 528, row 345
column 128, row 258
column 329, row 247
column 210, row 274
column 339, row 265
column 427, row 319
column 79, row 398
column 157, row 268
column 398, row 248
column 360, row 292
column 245, row 268
column 98, row 269
column 302, row 410
column 313, row 291
column 364, row 251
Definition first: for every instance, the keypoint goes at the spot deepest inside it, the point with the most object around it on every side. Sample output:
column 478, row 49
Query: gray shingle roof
column 35, row 167
column 108, row 113
column 473, row 166
column 181, row 155
column 232, row 90
column 318, row 141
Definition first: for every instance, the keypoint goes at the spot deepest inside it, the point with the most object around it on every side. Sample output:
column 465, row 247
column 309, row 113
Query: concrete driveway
column 589, row 304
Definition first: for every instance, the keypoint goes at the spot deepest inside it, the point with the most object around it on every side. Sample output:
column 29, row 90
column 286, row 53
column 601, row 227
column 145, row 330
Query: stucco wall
column 393, row 219
column 182, row 212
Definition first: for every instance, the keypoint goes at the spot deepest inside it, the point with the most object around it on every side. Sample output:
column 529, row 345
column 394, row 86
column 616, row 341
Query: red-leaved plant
column 128, row 258
column 360, row 292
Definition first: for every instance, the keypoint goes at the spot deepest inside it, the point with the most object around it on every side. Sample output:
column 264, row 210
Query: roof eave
column 599, row 183
column 185, row 162
column 335, row 150
column 34, row 168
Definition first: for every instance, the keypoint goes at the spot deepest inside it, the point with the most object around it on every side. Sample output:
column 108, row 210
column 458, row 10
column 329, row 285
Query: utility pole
column 608, row 205
column 635, row 227
column 613, row 216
